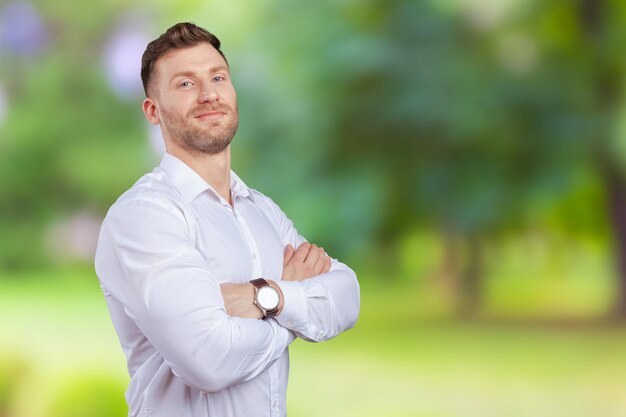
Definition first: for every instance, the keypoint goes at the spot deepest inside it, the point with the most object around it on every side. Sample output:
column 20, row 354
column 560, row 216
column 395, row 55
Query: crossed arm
column 307, row 261
column 204, row 331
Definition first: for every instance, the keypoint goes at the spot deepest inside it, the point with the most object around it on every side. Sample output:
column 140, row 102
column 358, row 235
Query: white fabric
column 164, row 248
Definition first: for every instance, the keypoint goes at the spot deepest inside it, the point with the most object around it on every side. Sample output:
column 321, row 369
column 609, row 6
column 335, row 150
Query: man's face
column 194, row 99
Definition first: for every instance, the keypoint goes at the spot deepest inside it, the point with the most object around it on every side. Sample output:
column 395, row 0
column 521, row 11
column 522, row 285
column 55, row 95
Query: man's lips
column 210, row 115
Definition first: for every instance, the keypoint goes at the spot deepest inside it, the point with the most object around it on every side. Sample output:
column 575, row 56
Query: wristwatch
column 266, row 298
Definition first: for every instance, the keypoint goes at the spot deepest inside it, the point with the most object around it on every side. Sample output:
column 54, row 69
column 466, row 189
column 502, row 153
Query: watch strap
column 259, row 282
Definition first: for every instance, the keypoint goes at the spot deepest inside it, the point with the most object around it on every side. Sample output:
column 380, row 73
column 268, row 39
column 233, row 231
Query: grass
column 396, row 361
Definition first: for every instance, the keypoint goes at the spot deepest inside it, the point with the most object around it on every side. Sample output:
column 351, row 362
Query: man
column 206, row 280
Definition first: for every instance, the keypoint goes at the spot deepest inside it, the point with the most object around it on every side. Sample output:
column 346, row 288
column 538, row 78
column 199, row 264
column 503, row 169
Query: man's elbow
column 353, row 317
column 346, row 314
column 354, row 308
column 343, row 321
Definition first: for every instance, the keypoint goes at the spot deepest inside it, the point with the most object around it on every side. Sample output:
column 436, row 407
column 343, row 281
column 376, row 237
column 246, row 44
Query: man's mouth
column 210, row 115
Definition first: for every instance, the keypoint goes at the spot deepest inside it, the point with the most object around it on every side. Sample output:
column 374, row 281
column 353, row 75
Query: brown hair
column 181, row 35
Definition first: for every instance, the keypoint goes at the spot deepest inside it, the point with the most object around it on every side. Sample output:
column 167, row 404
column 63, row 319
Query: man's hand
column 305, row 262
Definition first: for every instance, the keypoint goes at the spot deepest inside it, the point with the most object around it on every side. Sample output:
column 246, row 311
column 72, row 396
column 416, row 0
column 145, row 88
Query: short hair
column 179, row 36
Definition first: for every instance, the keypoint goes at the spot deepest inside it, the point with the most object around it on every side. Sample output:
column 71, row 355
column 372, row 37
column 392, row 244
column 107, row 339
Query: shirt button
column 275, row 403
column 254, row 256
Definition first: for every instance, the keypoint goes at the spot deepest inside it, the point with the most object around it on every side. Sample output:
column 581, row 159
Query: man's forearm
column 239, row 300
column 320, row 308
column 298, row 264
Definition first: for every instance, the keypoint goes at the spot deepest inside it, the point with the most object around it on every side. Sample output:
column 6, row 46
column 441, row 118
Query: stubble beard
column 210, row 139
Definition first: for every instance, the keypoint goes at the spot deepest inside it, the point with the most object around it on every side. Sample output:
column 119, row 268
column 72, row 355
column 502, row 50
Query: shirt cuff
column 294, row 313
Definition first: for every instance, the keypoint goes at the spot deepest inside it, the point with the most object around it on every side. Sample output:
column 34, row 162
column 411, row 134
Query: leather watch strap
column 259, row 282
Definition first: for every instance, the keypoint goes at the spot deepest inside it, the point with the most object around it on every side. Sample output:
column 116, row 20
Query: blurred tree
column 67, row 144
column 602, row 41
column 474, row 125
column 476, row 119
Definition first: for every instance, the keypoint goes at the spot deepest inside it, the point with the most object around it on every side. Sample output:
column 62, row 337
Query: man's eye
column 218, row 78
column 185, row 84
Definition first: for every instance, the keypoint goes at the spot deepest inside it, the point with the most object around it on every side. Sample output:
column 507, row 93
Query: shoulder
column 152, row 193
column 264, row 202
column 261, row 198
column 271, row 209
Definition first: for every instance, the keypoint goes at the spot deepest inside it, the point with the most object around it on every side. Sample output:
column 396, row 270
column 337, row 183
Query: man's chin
column 211, row 147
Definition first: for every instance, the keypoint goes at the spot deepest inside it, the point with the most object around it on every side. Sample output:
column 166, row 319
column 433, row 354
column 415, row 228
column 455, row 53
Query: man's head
column 189, row 91
column 179, row 36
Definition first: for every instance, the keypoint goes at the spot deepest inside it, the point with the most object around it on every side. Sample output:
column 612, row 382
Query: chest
column 239, row 243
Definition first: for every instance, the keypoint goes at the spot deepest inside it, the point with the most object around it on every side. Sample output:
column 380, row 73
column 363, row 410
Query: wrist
column 281, row 301
column 267, row 297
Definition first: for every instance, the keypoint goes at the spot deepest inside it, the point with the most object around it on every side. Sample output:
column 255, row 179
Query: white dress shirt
column 165, row 247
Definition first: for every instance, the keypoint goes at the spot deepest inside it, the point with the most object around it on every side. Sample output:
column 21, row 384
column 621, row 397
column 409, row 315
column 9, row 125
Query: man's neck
column 214, row 169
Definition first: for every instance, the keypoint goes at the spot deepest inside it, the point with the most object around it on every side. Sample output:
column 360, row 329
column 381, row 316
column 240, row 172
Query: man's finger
column 321, row 262
column 328, row 265
column 301, row 252
column 289, row 251
column 312, row 256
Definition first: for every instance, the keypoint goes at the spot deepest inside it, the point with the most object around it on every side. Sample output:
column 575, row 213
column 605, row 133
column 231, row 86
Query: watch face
column 267, row 298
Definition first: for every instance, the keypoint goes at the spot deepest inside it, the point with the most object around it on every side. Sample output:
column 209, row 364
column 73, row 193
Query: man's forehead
column 199, row 57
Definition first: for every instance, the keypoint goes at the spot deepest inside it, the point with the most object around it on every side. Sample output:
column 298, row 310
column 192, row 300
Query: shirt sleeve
column 318, row 308
column 146, row 258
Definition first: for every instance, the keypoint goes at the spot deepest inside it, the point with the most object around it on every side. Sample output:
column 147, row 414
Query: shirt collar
column 190, row 184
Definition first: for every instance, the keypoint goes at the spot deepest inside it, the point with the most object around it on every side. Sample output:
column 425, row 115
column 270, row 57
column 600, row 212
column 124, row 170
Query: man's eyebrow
column 194, row 73
column 218, row 69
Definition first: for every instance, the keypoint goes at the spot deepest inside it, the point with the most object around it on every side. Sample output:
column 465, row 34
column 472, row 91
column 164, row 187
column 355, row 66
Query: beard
column 210, row 139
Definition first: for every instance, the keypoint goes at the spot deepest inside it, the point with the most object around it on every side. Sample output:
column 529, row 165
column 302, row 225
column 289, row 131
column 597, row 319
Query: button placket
column 273, row 374
column 257, row 269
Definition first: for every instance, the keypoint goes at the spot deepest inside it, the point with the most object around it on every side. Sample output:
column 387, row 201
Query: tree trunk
column 616, row 193
column 461, row 273
column 449, row 275
column 608, row 80
column 471, row 279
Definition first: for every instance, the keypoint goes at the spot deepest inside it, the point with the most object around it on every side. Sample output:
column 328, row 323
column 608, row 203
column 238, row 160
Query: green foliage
column 442, row 120
column 365, row 121
column 64, row 133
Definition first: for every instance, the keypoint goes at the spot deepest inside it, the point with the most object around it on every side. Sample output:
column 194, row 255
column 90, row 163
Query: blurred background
column 466, row 157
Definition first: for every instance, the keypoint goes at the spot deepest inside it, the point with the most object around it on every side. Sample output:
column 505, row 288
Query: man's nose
column 208, row 94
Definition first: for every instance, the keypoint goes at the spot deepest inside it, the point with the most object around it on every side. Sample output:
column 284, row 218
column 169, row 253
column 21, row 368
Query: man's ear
column 151, row 111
